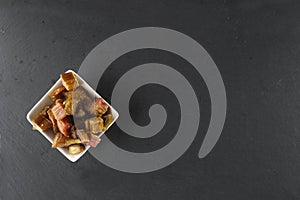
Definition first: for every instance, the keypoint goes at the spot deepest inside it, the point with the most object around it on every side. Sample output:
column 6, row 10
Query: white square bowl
column 45, row 100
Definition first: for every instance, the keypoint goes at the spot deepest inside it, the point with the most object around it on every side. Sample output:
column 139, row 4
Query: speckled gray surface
column 255, row 44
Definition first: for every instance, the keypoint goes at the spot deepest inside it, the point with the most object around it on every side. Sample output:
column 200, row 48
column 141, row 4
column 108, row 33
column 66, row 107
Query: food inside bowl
column 75, row 116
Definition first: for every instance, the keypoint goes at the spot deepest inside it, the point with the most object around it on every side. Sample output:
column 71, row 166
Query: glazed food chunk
column 64, row 126
column 69, row 81
column 108, row 119
column 82, row 135
column 53, row 120
column 75, row 149
column 100, row 106
column 41, row 122
column 59, row 140
column 94, row 125
column 59, row 111
column 57, row 93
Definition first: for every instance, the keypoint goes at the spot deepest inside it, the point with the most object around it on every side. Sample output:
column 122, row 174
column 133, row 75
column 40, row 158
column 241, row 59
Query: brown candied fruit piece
column 59, row 140
column 41, row 122
column 76, row 149
column 83, row 136
column 94, row 125
column 45, row 109
column 53, row 120
column 108, row 119
column 72, row 141
column 57, row 93
column 69, row 81
column 100, row 106
column 94, row 140
column 64, row 126
column 58, row 111
column 68, row 104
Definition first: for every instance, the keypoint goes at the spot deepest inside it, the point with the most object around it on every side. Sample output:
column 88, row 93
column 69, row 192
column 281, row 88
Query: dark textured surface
column 255, row 44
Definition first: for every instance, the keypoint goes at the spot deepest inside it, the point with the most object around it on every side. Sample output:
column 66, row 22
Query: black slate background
column 255, row 44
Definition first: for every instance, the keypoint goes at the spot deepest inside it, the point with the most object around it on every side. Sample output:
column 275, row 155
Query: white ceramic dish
column 45, row 100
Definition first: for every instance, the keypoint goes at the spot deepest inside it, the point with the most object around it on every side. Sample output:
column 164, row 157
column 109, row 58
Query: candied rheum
column 72, row 103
